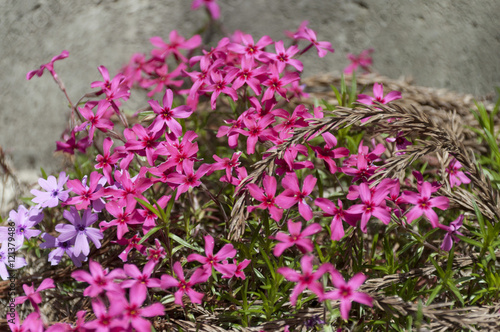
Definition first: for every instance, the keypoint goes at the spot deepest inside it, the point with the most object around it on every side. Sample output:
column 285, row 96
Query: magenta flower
column 132, row 243
column 85, row 194
column 452, row 231
column 70, row 143
column 114, row 89
column 363, row 60
column 249, row 48
column 373, row 205
column 99, row 279
column 296, row 237
column 211, row 260
column 226, row 163
column 212, row 7
column 249, row 75
column 378, row 95
column 156, row 253
column 322, row 47
column 65, row 327
column 34, row 296
column 189, row 179
column 293, row 194
column 176, row 42
column 338, row 215
column 166, row 115
column 239, row 268
column 141, row 280
column 266, row 196
column 328, row 153
column 49, row 66
column 457, row 177
column 124, row 215
column 54, row 191
column 130, row 188
column 401, row 142
column 132, row 312
column 346, row 292
column 32, row 323
column 99, row 120
column 185, row 287
column 80, row 230
column 308, row 279
column 220, row 85
column 283, row 56
column 275, row 83
column 107, row 161
column 106, row 320
column 424, row 204
column 256, row 130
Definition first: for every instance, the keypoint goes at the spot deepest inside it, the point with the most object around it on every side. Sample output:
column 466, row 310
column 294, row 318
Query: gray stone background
column 452, row 44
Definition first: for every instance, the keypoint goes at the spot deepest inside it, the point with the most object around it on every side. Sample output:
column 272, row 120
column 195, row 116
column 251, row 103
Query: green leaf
column 181, row 241
column 44, row 175
column 337, row 94
column 151, row 232
column 434, row 293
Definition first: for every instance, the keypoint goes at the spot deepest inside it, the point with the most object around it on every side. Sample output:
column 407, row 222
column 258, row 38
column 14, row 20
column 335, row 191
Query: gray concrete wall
column 452, row 44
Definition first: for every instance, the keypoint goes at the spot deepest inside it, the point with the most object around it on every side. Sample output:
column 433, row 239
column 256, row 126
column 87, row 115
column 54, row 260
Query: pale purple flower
column 61, row 248
column 18, row 263
column 24, row 220
column 80, row 230
column 54, row 191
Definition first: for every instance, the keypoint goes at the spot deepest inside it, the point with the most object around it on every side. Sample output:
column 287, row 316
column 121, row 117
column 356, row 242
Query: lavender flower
column 54, row 191
column 80, row 230
column 18, row 263
column 24, row 220
column 61, row 248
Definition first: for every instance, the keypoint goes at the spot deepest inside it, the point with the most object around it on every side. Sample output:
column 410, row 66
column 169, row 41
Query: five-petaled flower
column 296, row 237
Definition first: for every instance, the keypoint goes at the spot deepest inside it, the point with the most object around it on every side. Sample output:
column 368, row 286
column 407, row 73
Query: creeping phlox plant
column 226, row 196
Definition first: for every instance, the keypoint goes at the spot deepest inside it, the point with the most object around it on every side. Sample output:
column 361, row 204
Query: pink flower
column 378, row 95
column 32, row 323
column 256, row 130
column 424, row 204
column 308, row 278
column 275, row 83
column 338, row 215
column 99, row 279
column 346, row 292
column 189, row 179
column 107, row 161
column 131, row 310
column 185, row 287
column 34, row 296
column 363, row 60
column 166, row 115
column 212, row 7
column 322, row 47
column 226, row 163
column 100, row 120
column 86, row 194
column 211, row 260
column 296, row 237
column 452, row 231
column 373, row 204
column 176, row 42
column 49, row 66
column 283, row 56
column 293, row 194
column 266, row 196
column 124, row 215
column 220, row 85
column 106, row 320
column 457, row 177
column 140, row 280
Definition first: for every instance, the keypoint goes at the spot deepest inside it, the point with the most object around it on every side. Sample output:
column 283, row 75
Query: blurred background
column 452, row 44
